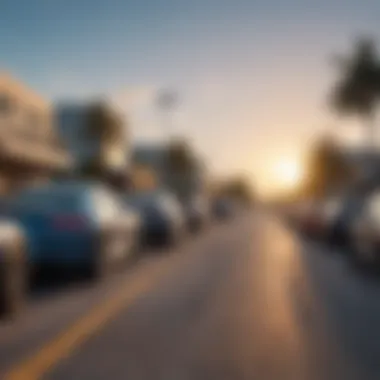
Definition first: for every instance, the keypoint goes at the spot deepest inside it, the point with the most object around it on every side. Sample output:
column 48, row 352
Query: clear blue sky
column 253, row 74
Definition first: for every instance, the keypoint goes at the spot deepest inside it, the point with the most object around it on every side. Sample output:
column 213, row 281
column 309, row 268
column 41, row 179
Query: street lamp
column 166, row 101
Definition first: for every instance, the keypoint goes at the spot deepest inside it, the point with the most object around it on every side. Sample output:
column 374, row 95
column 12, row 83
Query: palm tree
column 180, row 157
column 328, row 171
column 184, row 169
column 106, row 128
column 358, row 89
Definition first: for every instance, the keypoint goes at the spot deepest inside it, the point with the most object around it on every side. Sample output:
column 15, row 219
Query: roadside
column 50, row 314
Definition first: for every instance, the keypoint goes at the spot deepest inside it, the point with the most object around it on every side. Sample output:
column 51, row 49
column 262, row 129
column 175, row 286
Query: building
column 96, row 137
column 30, row 149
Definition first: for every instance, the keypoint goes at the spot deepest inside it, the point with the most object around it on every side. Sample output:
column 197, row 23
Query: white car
column 13, row 268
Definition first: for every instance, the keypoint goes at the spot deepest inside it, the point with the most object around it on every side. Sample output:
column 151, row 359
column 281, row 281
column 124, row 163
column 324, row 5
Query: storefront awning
column 34, row 155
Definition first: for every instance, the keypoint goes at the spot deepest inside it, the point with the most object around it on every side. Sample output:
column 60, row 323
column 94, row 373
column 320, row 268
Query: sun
column 288, row 173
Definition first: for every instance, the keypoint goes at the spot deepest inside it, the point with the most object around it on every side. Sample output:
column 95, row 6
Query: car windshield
column 50, row 199
column 141, row 200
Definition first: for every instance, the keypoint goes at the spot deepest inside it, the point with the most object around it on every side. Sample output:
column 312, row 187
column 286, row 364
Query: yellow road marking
column 37, row 365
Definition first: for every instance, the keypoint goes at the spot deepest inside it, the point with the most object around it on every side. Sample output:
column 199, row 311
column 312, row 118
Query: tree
column 92, row 169
column 180, row 157
column 184, row 170
column 105, row 127
column 358, row 89
column 103, row 123
column 238, row 188
column 328, row 171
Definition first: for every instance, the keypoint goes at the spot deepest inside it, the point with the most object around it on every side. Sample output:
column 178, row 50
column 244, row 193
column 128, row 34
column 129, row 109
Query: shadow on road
column 46, row 281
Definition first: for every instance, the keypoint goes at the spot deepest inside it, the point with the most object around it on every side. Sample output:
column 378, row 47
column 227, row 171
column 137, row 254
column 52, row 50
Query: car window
column 47, row 200
column 143, row 200
column 140, row 201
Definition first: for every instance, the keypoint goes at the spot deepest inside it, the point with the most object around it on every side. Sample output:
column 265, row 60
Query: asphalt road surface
column 246, row 300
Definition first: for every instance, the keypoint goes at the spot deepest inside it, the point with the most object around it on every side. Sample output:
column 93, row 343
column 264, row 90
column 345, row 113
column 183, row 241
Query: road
column 246, row 300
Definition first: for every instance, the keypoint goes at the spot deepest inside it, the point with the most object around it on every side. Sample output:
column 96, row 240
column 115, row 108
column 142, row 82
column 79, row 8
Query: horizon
column 252, row 78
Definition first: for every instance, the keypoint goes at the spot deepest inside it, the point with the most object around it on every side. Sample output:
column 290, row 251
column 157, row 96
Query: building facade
column 30, row 149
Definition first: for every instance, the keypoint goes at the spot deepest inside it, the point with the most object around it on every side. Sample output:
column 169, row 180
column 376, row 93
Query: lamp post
column 167, row 100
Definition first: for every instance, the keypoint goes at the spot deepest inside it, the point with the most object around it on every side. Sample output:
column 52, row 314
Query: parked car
column 162, row 217
column 223, row 208
column 76, row 225
column 13, row 269
column 364, row 234
column 340, row 231
column 328, row 214
column 318, row 217
column 197, row 212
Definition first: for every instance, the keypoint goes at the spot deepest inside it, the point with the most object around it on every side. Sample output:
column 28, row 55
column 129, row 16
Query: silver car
column 364, row 234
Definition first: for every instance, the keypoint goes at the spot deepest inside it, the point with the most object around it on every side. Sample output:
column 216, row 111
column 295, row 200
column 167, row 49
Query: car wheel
column 101, row 264
column 13, row 285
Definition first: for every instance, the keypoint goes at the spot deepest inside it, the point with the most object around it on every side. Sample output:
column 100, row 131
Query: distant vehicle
column 223, row 208
column 197, row 212
column 364, row 234
column 13, row 269
column 75, row 225
column 162, row 217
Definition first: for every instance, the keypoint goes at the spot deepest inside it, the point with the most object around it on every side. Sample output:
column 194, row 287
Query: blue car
column 75, row 224
column 162, row 217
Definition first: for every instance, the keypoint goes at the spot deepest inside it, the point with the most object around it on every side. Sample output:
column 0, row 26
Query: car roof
column 63, row 187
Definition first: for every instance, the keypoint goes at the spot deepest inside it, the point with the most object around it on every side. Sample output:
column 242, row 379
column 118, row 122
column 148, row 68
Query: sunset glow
column 288, row 173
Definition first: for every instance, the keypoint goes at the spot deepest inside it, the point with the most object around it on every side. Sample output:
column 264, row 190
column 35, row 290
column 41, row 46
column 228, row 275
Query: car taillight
column 69, row 222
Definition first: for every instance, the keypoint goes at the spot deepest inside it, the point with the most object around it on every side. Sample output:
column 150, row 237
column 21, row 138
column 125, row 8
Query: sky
column 252, row 76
